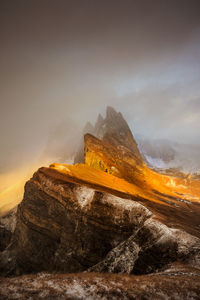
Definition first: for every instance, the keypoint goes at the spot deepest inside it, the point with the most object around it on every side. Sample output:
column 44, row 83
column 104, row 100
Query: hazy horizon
column 67, row 60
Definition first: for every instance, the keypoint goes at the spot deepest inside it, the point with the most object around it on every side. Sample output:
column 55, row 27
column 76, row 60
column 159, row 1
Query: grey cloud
column 69, row 59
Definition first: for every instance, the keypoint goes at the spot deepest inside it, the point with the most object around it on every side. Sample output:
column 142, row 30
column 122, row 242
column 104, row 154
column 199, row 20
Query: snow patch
column 156, row 162
column 84, row 196
column 184, row 240
column 76, row 290
column 123, row 203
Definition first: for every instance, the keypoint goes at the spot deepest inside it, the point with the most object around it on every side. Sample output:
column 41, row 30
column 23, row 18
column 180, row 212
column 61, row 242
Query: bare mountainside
column 108, row 214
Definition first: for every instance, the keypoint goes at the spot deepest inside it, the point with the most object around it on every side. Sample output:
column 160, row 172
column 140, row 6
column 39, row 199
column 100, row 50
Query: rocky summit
column 78, row 225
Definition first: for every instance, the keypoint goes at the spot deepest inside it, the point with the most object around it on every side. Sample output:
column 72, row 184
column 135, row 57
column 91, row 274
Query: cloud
column 69, row 59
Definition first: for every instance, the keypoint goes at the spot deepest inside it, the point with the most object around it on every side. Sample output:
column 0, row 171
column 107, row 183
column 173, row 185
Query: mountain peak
column 113, row 129
column 98, row 125
column 89, row 128
column 110, row 112
column 100, row 118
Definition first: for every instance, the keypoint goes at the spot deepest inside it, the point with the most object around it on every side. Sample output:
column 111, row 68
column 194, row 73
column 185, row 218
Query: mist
column 63, row 62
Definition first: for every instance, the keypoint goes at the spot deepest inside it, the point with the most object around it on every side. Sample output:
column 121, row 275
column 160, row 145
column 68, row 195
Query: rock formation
column 113, row 129
column 112, row 214
column 7, row 226
column 79, row 155
column 112, row 157
column 71, row 227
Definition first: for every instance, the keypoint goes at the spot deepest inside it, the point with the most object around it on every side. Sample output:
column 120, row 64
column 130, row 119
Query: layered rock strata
column 71, row 227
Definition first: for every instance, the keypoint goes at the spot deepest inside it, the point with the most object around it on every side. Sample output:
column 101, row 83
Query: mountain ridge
column 112, row 214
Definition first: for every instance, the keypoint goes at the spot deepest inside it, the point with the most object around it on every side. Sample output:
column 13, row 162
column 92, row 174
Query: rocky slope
column 176, row 282
column 112, row 214
column 69, row 227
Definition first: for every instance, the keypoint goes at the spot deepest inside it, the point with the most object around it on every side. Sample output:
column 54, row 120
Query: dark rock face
column 68, row 227
column 118, row 132
column 78, row 218
column 151, row 248
column 7, row 226
column 5, row 237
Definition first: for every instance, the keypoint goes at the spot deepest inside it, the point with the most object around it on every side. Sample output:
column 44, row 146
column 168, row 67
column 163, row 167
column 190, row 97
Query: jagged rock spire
column 113, row 129
column 118, row 132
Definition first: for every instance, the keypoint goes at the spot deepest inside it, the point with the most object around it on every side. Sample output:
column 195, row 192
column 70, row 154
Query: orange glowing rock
column 117, row 168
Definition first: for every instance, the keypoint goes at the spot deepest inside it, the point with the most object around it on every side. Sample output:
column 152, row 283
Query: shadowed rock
column 68, row 227
column 112, row 215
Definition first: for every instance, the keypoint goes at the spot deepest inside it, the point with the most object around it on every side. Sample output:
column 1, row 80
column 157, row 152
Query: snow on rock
column 94, row 286
column 135, row 212
column 84, row 195
column 156, row 162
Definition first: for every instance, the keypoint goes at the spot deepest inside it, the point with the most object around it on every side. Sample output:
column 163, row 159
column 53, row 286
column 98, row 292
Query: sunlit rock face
column 66, row 226
column 112, row 158
column 113, row 130
column 111, row 214
column 112, row 148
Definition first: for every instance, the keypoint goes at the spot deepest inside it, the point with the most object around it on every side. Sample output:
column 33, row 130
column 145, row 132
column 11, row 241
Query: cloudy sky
column 68, row 60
